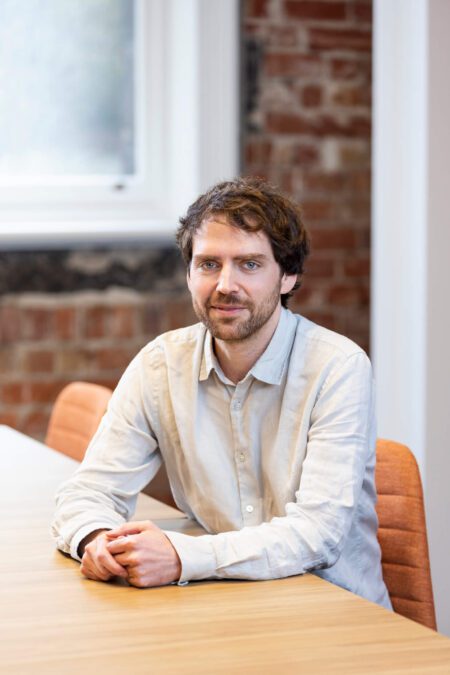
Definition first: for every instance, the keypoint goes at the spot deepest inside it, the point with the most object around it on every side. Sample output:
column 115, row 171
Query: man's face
column 234, row 280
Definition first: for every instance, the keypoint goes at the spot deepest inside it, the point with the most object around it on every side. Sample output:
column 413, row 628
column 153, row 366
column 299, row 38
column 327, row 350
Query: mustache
column 231, row 299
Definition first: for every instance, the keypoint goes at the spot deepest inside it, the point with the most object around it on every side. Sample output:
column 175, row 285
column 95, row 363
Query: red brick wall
column 306, row 127
column 308, row 131
column 48, row 341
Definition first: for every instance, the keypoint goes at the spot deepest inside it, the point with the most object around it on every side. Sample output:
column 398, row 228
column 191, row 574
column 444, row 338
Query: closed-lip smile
column 227, row 308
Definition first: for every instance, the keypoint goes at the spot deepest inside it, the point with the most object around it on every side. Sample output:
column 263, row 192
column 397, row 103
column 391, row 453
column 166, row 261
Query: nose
column 227, row 282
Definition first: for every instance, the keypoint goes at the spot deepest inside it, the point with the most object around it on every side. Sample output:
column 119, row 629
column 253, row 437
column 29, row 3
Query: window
column 114, row 115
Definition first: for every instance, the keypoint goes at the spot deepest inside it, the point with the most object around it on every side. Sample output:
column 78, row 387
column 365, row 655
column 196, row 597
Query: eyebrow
column 201, row 257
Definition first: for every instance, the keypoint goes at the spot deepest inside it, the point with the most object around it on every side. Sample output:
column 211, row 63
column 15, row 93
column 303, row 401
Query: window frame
column 192, row 141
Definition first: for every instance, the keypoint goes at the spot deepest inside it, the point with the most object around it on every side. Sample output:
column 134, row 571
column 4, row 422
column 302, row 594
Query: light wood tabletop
column 55, row 621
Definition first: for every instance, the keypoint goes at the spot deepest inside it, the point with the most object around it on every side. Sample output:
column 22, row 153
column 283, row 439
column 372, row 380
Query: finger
column 127, row 560
column 130, row 528
column 103, row 560
column 121, row 544
column 109, row 564
column 92, row 571
column 135, row 578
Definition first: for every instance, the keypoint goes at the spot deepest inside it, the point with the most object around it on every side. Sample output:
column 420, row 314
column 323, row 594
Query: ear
column 287, row 283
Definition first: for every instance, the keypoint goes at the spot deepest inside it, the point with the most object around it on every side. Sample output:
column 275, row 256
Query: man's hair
column 252, row 205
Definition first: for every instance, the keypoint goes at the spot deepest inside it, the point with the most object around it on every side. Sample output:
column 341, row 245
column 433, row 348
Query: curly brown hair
column 252, row 204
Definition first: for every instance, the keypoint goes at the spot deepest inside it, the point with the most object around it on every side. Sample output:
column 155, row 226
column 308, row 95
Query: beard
column 237, row 328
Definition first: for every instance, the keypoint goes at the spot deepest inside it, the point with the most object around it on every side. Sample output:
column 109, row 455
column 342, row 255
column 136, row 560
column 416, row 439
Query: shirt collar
column 209, row 360
column 270, row 365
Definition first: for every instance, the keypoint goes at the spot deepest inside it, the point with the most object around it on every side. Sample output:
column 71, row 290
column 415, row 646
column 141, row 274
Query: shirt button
column 236, row 405
column 241, row 457
column 249, row 508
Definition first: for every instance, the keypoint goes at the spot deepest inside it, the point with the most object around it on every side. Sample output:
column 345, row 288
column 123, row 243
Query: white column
column 411, row 251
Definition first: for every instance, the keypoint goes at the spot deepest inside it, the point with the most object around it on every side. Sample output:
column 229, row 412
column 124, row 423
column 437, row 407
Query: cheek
column 199, row 288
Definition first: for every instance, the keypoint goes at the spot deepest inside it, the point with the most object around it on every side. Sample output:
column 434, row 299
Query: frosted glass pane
column 67, row 87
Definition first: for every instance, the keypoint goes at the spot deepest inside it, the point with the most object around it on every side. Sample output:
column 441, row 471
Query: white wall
column 411, row 252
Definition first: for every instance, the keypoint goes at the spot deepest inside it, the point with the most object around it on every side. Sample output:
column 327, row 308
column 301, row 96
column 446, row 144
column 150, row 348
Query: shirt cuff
column 197, row 556
column 84, row 531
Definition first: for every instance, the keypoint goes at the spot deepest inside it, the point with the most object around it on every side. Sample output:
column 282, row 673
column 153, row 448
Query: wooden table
column 55, row 621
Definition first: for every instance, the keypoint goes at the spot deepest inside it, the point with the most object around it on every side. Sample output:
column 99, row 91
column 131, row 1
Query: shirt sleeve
column 313, row 531
column 120, row 461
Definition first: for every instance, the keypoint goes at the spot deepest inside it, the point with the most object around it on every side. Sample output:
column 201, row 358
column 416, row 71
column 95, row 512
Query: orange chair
column 74, row 420
column 402, row 533
column 75, row 417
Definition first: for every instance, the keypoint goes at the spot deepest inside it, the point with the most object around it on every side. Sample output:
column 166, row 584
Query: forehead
column 217, row 236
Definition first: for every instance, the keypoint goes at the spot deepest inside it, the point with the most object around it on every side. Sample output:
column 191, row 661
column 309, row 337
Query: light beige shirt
column 278, row 468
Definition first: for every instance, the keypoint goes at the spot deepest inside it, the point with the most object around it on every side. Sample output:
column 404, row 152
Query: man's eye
column 251, row 265
column 208, row 265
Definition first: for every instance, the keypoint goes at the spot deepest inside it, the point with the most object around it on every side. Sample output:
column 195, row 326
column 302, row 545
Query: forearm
column 283, row 547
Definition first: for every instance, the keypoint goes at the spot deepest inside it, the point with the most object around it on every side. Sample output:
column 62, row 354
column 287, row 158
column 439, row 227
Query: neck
column 237, row 357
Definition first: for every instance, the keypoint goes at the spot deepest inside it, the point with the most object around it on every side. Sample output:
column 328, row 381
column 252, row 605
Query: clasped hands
column 138, row 551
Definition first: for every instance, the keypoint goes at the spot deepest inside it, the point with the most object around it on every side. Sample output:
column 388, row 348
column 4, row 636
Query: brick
column 325, row 319
column 114, row 358
column 45, row 392
column 319, row 125
column 317, row 210
column 363, row 11
column 95, row 322
column 328, row 183
column 256, row 8
column 38, row 323
column 179, row 313
column 334, row 239
column 355, row 126
column 74, row 360
column 360, row 181
column 285, row 36
column 350, row 69
column 288, row 123
column 356, row 210
column 357, row 267
column 8, row 359
column 122, row 322
column 38, row 361
column 311, row 9
column 354, row 156
column 311, row 96
column 35, row 423
column 257, row 151
column 13, row 393
column 10, row 328
column 151, row 321
column 320, row 268
column 347, row 294
column 9, row 418
column 306, row 155
column 352, row 96
column 110, row 382
column 65, row 323
column 328, row 39
column 284, row 64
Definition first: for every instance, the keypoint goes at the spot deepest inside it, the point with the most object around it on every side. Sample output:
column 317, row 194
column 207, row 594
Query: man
column 264, row 421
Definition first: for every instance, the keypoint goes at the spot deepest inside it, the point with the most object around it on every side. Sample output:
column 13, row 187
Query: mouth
column 227, row 310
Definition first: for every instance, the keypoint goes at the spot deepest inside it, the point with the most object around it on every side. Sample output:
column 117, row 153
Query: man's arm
column 313, row 532
column 121, row 459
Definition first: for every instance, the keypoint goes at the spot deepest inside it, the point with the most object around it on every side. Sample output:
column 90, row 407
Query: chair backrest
column 402, row 533
column 75, row 417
